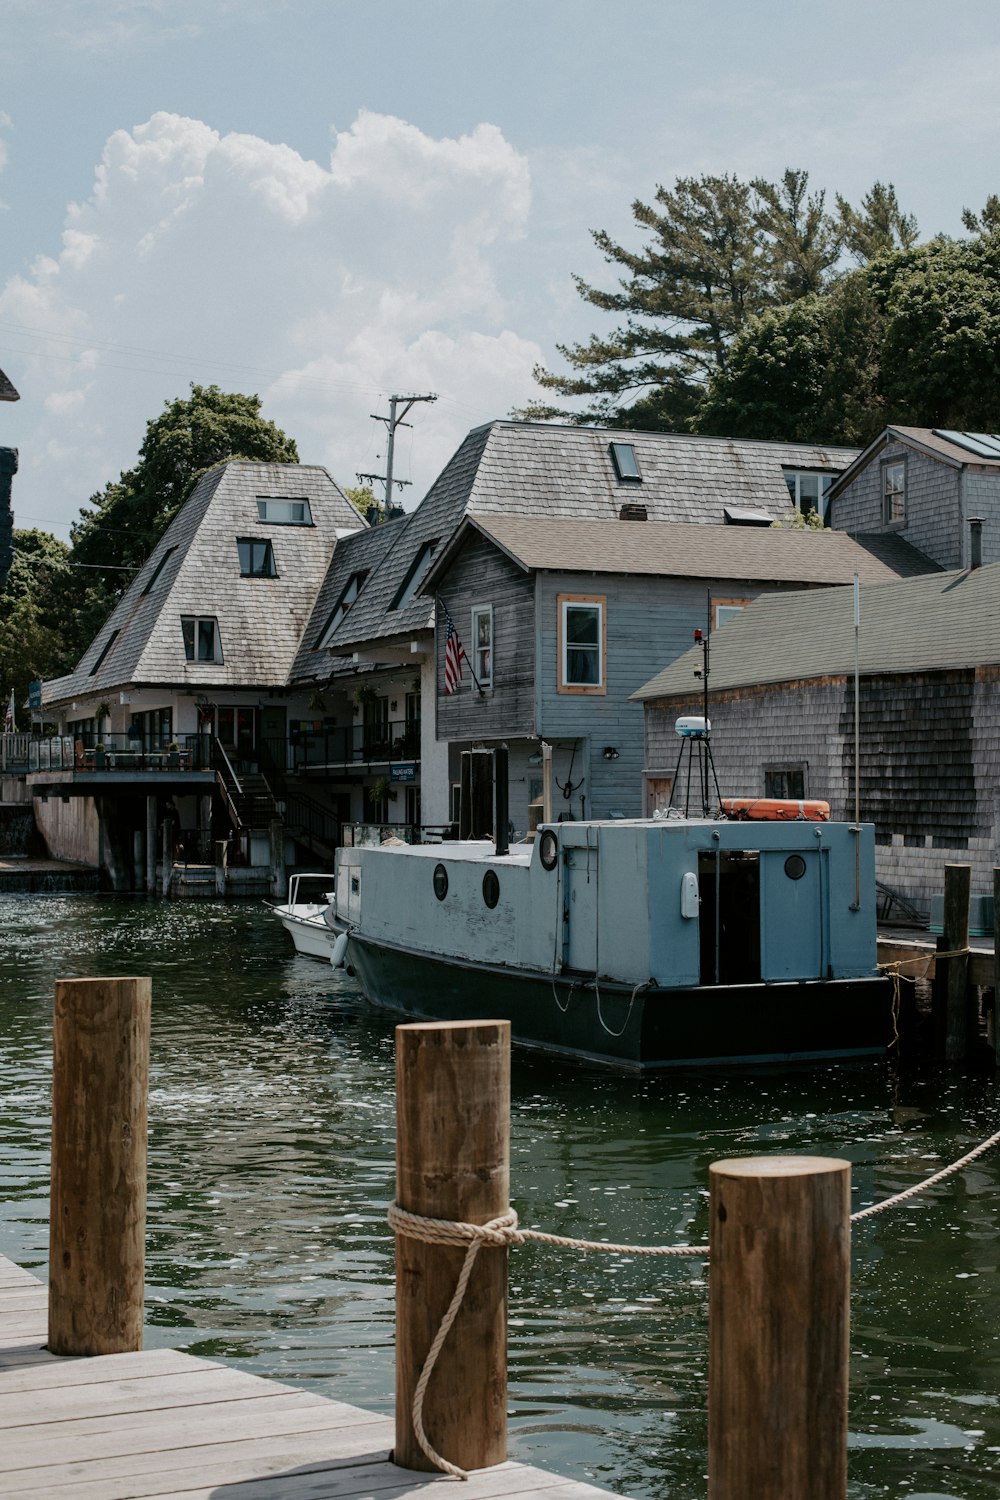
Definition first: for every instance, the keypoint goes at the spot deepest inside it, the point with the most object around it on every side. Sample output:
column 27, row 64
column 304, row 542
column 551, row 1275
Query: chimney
column 976, row 542
column 372, row 515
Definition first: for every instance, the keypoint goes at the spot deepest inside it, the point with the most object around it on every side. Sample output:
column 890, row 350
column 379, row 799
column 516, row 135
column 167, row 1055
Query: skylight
column 625, row 462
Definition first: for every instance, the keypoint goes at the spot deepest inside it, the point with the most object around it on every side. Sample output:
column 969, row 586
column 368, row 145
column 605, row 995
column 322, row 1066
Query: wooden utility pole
column 779, row 1316
column 452, row 1162
column 392, row 421
column 97, row 1224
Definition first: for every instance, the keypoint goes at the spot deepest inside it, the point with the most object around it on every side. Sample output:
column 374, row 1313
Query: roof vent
column 631, row 511
column 736, row 515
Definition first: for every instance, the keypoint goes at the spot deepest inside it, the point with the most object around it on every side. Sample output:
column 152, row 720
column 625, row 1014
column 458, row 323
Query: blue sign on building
column 403, row 770
column 35, row 694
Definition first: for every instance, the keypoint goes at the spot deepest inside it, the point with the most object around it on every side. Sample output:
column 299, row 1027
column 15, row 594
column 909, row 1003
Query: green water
column 271, row 1167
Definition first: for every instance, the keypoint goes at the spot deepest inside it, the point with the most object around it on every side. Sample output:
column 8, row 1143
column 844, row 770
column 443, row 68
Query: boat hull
column 311, row 935
column 637, row 1031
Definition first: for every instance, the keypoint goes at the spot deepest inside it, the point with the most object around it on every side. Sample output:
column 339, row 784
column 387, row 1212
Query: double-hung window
column 201, row 639
column 894, row 491
column 582, row 630
column 482, row 645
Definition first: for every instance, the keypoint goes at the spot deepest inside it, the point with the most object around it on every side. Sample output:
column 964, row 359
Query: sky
column 330, row 201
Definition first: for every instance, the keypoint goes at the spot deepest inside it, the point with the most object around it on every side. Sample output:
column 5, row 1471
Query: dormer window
column 808, row 490
column 283, row 512
column 104, row 651
column 201, row 639
column 348, row 594
column 416, row 573
column 256, row 557
column 625, row 462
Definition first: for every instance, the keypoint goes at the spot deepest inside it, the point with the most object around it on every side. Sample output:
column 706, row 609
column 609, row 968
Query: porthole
column 548, row 849
column 440, row 882
column 491, row 888
column 795, row 867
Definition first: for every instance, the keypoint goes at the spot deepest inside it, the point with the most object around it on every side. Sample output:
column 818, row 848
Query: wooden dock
column 162, row 1423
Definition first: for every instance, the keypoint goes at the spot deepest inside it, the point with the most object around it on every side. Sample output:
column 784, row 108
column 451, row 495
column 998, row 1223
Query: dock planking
column 165, row 1424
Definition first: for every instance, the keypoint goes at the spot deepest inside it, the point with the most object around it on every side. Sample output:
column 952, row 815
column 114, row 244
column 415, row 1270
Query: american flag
column 454, row 655
column 8, row 723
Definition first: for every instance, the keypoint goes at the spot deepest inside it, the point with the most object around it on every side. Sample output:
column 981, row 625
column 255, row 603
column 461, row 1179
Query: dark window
column 348, row 594
column 491, row 888
column 625, row 462
column 256, row 557
column 894, row 491
column 785, row 782
column 440, row 882
column 104, row 651
column 415, row 574
column 159, row 568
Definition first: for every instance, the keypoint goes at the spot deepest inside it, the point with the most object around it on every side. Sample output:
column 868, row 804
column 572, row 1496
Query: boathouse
column 781, row 704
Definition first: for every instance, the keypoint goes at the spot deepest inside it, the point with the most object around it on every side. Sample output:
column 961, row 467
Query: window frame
column 252, row 542
column 622, row 473
column 264, row 501
column 565, row 602
column 195, row 659
column 892, row 497
column 734, row 604
column 151, row 580
column 343, row 604
column 479, row 611
column 787, row 768
column 826, row 479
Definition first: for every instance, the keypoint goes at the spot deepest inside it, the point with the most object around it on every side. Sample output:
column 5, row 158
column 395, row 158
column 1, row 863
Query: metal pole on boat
column 546, row 783
column 778, row 1326
column 856, row 830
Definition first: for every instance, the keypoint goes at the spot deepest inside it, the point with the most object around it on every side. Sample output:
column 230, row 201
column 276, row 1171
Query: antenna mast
column 392, row 421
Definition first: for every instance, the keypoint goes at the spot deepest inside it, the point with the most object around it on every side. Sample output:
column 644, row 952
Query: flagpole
column 441, row 601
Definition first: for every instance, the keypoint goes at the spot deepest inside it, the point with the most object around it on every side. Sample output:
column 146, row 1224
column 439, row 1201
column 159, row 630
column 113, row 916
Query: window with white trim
column 283, row 512
column 809, row 489
column 482, row 644
column 201, row 639
column 582, row 643
column 726, row 609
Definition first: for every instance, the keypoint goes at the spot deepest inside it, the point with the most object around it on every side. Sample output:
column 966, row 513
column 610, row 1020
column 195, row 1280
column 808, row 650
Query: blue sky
column 327, row 201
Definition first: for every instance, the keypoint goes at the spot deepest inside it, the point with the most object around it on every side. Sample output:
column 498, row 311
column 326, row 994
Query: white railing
column 14, row 751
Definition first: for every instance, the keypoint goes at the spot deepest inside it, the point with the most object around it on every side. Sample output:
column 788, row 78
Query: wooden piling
column 97, row 1224
column 952, row 974
column 452, row 1162
column 779, row 1316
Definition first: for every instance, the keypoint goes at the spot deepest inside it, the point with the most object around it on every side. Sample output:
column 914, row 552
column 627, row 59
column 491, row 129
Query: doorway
column 729, row 916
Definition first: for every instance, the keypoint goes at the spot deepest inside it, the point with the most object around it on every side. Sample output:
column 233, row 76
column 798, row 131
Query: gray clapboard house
column 182, row 697
column 392, row 626
column 782, row 708
column 925, row 485
column 563, row 620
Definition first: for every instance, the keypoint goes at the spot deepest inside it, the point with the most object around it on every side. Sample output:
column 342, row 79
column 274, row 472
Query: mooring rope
column 504, row 1230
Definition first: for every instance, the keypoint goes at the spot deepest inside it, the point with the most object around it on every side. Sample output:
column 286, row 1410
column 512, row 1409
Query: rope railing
column 504, row 1231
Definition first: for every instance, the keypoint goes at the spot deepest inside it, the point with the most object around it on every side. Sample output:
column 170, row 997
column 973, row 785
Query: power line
column 392, row 421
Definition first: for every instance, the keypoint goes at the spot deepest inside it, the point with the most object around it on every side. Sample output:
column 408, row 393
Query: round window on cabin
column 548, row 849
column 795, row 867
column 440, row 882
column 491, row 888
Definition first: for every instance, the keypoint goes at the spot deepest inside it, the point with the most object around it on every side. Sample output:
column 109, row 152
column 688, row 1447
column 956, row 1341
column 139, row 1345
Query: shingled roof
column 194, row 570
column 361, row 553
column 935, row 623
column 551, row 471
column 958, row 450
column 7, row 390
column 666, row 549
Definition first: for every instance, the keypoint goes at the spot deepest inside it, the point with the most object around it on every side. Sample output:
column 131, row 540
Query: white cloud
column 207, row 257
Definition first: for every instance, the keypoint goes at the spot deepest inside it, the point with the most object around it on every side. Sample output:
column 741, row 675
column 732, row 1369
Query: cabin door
column 792, row 914
column 580, row 909
column 729, row 918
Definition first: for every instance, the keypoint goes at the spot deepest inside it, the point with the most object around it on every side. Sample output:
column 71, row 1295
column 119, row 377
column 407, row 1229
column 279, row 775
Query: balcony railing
column 357, row 745
column 118, row 753
column 366, row 835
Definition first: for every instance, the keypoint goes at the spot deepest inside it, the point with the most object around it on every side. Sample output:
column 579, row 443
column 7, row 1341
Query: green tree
column 719, row 253
column 119, row 526
column 362, row 497
column 878, row 226
column 914, row 338
column 38, row 630
column 986, row 222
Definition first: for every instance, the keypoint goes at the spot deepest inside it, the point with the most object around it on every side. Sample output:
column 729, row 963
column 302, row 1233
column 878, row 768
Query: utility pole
column 392, row 421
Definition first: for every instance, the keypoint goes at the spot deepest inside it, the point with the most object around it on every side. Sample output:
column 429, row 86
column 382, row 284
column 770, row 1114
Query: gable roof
column 194, row 570
column 958, row 450
column 938, row 622
column 552, row 471
column 7, row 391
column 665, row 549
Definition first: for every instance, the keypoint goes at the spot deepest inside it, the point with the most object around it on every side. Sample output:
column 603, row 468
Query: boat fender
column 548, row 849
column 339, row 951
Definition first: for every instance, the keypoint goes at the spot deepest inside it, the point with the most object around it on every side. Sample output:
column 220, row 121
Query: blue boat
column 641, row 945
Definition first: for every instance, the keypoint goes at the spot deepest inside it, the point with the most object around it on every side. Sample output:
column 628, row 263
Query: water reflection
column 271, row 1167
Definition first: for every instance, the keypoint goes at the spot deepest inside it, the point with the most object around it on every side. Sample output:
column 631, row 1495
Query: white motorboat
column 310, row 918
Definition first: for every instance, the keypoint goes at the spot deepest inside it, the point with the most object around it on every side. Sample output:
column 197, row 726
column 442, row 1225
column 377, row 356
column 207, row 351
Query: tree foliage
column 38, row 629
column 719, row 254
column 912, row 338
column 119, row 527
